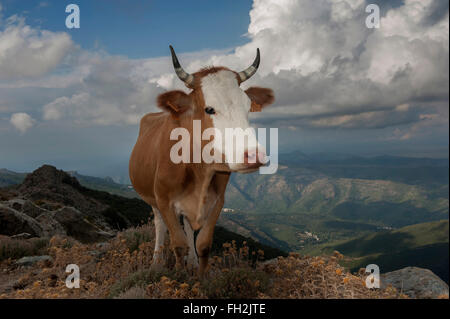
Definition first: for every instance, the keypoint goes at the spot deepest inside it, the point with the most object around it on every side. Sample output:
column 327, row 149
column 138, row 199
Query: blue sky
column 142, row 29
column 73, row 97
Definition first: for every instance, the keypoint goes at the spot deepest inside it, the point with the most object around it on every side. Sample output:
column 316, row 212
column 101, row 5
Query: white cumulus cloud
column 22, row 121
column 27, row 52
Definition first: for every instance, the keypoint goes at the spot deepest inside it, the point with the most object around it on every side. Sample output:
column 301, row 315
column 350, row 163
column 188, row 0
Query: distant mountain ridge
column 409, row 170
column 335, row 198
column 299, row 157
column 8, row 177
column 107, row 184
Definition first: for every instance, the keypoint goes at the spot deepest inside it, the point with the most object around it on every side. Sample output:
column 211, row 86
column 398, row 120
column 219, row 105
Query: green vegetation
column 423, row 245
column 336, row 200
column 433, row 257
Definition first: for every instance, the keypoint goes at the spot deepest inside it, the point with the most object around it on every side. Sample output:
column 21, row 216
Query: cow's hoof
column 157, row 267
column 192, row 266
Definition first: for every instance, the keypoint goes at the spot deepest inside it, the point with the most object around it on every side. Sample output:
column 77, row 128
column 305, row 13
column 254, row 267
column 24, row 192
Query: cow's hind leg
column 192, row 259
column 161, row 230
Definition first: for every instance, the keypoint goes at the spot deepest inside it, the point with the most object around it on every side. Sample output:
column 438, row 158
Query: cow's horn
column 248, row 72
column 183, row 75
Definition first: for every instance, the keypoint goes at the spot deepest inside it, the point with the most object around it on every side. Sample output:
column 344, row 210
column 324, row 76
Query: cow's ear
column 175, row 102
column 260, row 97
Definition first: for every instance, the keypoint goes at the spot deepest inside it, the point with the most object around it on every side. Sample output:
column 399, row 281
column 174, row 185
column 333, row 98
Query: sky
column 73, row 98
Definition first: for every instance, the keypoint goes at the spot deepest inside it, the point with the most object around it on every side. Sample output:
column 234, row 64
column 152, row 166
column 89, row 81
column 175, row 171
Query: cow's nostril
column 251, row 157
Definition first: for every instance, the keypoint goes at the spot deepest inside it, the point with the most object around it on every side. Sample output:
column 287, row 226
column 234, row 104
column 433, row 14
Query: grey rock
column 32, row 209
column 50, row 226
column 22, row 236
column 415, row 282
column 13, row 222
column 30, row 260
column 273, row 261
column 16, row 203
column 77, row 226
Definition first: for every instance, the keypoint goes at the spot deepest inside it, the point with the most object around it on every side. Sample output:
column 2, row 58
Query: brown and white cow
column 192, row 190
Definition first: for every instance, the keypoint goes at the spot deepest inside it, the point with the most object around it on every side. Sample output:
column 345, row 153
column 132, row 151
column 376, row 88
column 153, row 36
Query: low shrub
column 138, row 235
column 236, row 283
column 134, row 293
column 18, row 248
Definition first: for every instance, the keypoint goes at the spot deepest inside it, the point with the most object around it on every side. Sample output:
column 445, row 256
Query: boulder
column 32, row 209
column 77, row 226
column 30, row 260
column 22, row 236
column 415, row 282
column 50, row 226
column 13, row 222
column 16, row 203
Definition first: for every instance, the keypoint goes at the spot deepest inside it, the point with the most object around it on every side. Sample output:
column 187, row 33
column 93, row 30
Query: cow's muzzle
column 254, row 158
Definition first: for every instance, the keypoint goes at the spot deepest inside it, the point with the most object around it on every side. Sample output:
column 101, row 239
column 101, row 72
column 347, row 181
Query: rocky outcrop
column 66, row 221
column 51, row 186
column 415, row 282
column 13, row 222
column 77, row 226
column 51, row 202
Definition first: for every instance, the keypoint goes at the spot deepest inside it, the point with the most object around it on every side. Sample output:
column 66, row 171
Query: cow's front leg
column 161, row 230
column 205, row 237
column 178, row 240
column 192, row 259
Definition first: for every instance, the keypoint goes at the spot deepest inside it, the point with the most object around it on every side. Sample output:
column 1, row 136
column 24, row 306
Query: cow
column 188, row 196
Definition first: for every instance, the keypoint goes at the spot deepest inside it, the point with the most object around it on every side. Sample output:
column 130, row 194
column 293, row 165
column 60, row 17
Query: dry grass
column 17, row 248
column 120, row 269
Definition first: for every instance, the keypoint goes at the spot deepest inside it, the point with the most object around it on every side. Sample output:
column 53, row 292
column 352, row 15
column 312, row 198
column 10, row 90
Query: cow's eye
column 210, row 110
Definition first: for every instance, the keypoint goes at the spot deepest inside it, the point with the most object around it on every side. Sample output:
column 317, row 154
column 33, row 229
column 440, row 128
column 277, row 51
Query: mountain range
column 336, row 198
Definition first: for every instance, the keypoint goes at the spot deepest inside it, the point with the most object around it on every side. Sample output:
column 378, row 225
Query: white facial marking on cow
column 231, row 104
